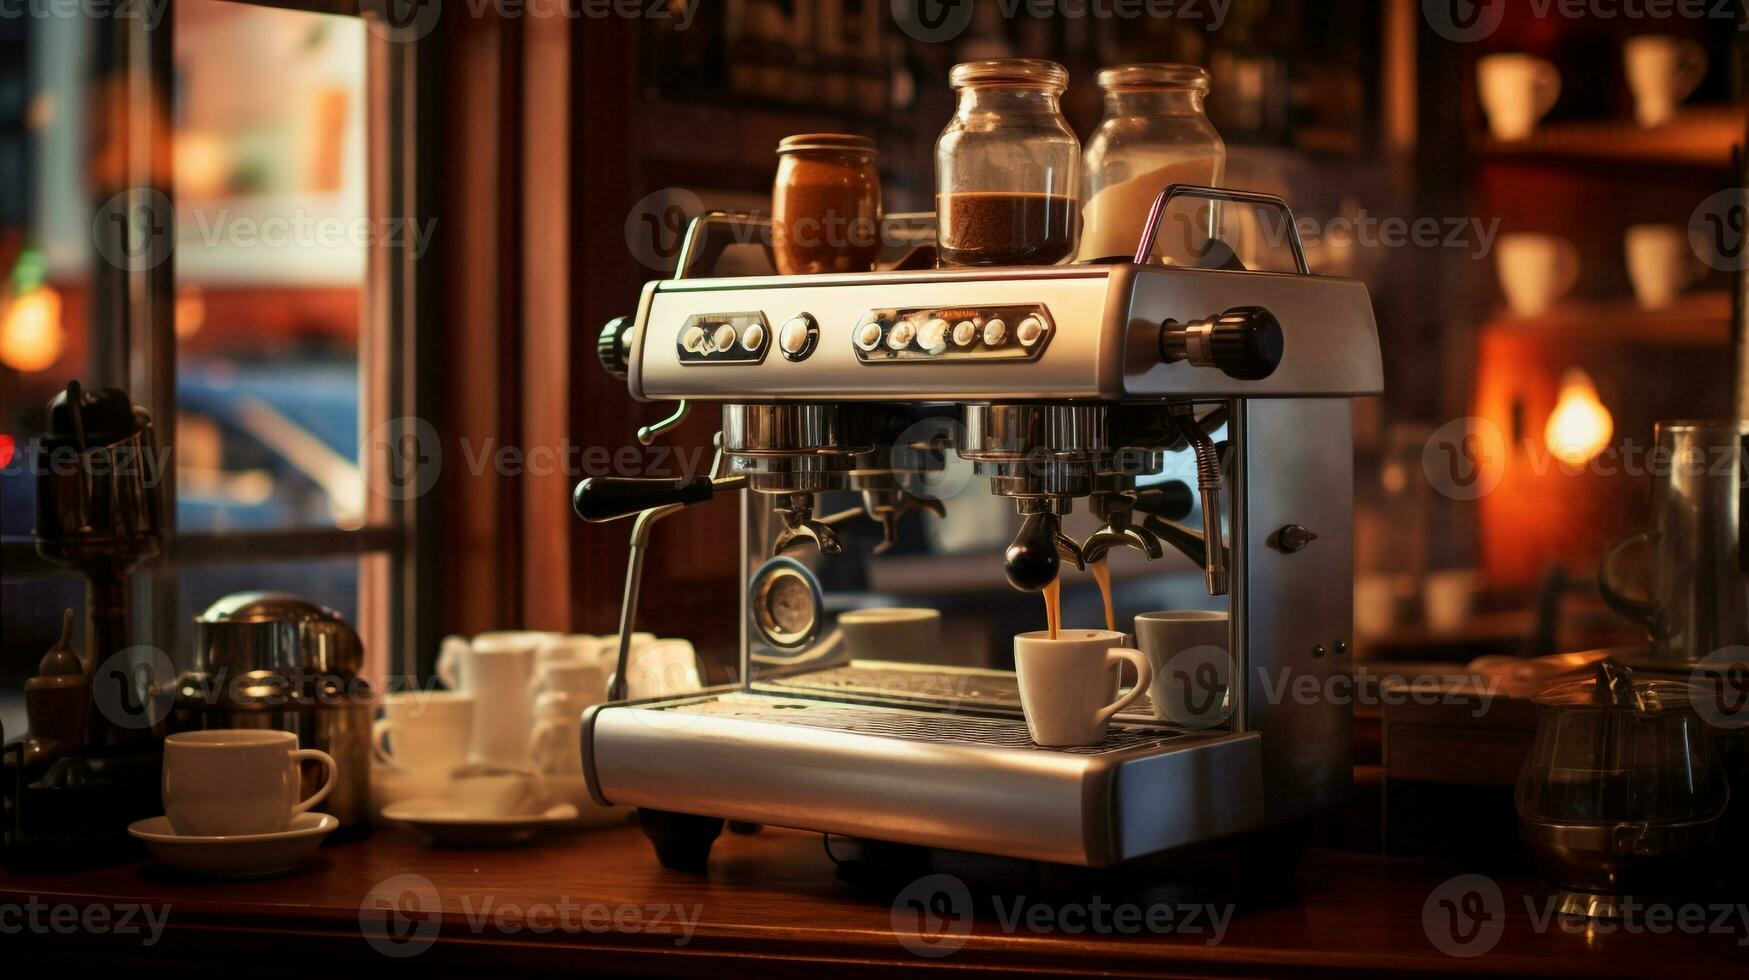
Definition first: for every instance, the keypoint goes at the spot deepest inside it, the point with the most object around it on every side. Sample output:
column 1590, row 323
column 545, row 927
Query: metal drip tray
column 920, row 776
column 912, row 725
column 963, row 688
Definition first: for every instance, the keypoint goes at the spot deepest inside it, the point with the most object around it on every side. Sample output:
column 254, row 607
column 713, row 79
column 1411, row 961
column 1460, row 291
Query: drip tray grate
column 915, row 726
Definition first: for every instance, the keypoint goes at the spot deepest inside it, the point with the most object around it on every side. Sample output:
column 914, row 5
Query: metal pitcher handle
column 1642, row 611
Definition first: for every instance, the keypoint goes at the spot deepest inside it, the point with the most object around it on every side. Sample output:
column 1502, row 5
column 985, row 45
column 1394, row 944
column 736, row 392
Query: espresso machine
column 1067, row 388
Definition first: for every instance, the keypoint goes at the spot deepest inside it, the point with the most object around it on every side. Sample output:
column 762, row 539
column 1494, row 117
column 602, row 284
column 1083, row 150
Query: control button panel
column 798, row 337
column 724, row 338
column 996, row 333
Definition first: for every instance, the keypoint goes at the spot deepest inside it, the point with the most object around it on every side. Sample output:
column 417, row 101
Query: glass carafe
column 1154, row 134
column 1007, row 167
column 1622, row 792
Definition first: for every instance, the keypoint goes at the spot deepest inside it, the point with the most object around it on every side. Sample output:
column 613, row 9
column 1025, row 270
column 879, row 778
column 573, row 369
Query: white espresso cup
column 497, row 669
column 1193, row 666
column 1535, row 271
column 574, row 647
column 556, row 744
column 583, row 681
column 1517, row 92
column 234, row 781
column 1662, row 71
column 885, row 633
column 1069, row 685
column 1661, row 264
column 423, row 730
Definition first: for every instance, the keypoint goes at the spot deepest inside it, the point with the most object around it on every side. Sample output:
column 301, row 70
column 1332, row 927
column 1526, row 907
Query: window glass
column 271, row 238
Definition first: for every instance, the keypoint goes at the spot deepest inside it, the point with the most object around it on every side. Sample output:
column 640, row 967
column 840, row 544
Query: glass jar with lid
column 1007, row 167
column 825, row 205
column 1155, row 134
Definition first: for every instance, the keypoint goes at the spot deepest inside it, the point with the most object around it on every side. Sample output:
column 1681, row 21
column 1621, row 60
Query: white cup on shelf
column 1662, row 71
column 1517, row 91
column 1535, row 271
column 1661, row 264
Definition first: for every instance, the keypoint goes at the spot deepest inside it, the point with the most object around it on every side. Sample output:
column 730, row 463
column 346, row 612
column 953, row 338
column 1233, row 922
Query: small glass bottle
column 1007, row 167
column 825, row 205
column 1154, row 134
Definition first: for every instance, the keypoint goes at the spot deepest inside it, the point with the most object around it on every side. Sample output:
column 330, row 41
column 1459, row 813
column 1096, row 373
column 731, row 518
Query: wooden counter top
column 772, row 903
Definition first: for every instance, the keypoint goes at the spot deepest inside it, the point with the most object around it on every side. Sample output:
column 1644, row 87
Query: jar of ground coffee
column 826, row 205
column 1007, row 167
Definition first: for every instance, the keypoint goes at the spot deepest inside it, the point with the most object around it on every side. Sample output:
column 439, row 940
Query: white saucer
column 452, row 826
column 235, row 855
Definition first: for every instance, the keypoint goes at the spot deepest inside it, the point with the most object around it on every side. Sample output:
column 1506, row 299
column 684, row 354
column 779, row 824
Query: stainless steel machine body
column 1059, row 385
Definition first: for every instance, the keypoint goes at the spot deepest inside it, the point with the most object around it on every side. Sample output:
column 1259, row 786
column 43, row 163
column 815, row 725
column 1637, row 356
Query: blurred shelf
column 1700, row 319
column 1700, row 136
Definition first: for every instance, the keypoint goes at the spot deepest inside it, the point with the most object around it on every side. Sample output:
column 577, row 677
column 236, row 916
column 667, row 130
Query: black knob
column 611, row 348
column 1031, row 561
column 1246, row 342
column 609, row 498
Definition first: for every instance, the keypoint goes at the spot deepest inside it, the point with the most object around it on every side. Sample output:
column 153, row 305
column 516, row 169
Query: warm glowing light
column 1580, row 426
column 31, row 338
column 190, row 311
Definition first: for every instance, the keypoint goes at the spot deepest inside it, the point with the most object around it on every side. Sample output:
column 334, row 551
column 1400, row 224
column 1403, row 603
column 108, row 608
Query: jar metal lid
column 1156, row 75
column 832, row 142
column 1017, row 72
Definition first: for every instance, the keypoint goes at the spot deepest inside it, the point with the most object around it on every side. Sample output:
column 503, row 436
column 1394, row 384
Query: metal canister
column 277, row 661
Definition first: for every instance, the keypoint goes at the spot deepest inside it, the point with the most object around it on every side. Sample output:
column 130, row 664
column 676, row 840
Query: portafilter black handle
column 1031, row 561
column 609, row 498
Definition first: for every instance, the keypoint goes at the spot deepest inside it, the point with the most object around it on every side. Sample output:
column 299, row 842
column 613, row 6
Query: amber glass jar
column 826, row 205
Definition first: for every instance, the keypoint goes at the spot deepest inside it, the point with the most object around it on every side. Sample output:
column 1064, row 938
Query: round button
column 869, row 336
column 753, row 337
column 693, row 339
column 724, row 338
column 793, row 338
column 933, row 336
column 1030, row 331
column 995, row 333
column 901, row 335
column 965, row 333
